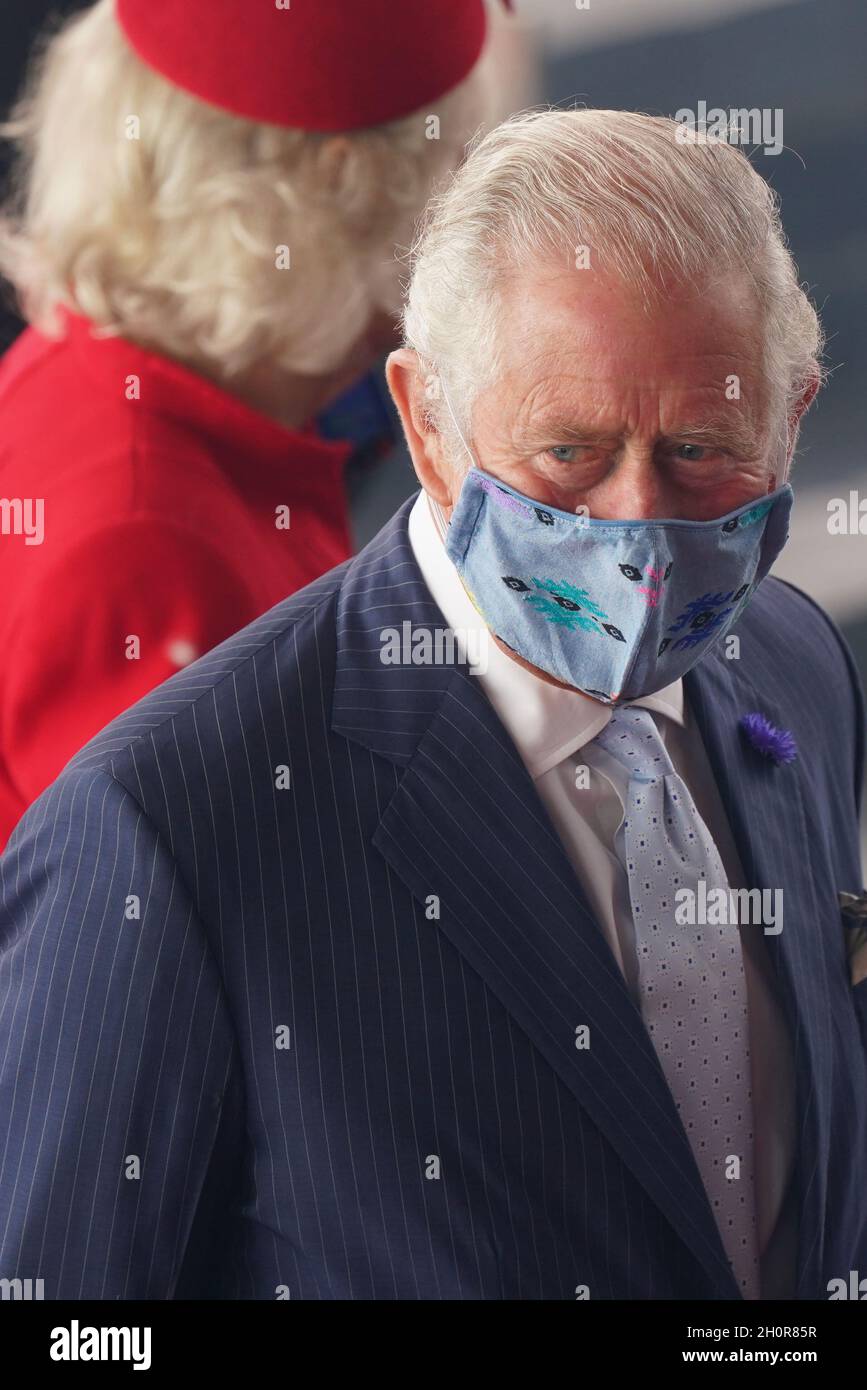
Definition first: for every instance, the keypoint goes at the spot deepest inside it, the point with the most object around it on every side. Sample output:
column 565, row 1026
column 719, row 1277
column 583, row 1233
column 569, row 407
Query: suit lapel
column 765, row 807
column 466, row 824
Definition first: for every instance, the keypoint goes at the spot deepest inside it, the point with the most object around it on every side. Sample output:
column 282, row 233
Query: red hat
column 313, row 64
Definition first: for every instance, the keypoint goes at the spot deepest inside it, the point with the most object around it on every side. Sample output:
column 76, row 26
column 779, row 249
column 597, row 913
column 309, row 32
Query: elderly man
column 330, row 970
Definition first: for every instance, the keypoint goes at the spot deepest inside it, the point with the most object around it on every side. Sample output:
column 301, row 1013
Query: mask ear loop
column 440, row 521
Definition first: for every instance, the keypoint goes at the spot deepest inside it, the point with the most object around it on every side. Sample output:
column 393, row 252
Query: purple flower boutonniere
column 777, row 744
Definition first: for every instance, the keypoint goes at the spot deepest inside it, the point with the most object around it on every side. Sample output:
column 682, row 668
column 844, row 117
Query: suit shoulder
column 795, row 625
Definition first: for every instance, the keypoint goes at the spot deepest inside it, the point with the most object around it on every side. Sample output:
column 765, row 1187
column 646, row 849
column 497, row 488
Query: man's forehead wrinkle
column 546, row 423
column 546, row 414
column 596, row 417
column 550, row 395
column 570, row 387
column 565, row 394
column 573, row 377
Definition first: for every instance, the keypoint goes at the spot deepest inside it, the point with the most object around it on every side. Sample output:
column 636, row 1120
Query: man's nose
column 632, row 489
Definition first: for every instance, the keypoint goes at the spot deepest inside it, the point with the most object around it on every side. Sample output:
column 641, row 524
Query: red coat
column 159, row 524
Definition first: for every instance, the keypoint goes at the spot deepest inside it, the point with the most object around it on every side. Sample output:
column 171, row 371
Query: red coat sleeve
column 117, row 613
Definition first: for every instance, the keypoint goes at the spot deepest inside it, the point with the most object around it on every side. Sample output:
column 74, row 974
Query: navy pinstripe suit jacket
column 242, row 1057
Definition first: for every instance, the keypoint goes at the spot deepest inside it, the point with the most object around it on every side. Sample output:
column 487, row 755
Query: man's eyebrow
column 733, row 431
column 546, row 433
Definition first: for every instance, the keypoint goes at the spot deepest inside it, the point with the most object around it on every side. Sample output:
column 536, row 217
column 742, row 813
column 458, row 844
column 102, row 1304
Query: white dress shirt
column 553, row 731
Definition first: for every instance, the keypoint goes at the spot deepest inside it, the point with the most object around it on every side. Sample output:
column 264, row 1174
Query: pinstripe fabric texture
column 318, row 1041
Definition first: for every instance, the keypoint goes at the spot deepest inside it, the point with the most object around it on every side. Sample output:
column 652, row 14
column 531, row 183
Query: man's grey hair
column 657, row 204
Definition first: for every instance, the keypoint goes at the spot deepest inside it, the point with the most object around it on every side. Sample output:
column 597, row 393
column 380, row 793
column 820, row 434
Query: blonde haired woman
column 202, row 235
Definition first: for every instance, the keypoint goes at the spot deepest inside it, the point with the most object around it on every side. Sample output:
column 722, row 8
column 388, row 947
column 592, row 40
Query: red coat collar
column 177, row 393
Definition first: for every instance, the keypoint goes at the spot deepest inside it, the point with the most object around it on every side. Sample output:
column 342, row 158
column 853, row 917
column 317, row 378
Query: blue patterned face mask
column 617, row 609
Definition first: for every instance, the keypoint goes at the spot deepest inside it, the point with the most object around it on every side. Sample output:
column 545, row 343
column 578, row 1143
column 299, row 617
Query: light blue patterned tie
column 691, row 979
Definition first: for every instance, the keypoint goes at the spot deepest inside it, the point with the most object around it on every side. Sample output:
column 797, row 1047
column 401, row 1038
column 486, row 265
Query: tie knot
column 631, row 736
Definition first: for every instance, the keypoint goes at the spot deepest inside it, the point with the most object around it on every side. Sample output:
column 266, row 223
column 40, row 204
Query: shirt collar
column 545, row 722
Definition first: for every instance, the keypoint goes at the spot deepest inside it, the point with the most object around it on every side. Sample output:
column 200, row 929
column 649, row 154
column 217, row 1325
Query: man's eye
column 564, row 453
column 691, row 453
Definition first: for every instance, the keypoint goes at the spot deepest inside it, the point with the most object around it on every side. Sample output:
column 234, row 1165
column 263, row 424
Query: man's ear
column 410, row 392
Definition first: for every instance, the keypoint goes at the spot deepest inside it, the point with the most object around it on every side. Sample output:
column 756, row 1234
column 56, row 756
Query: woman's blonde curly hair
column 160, row 217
